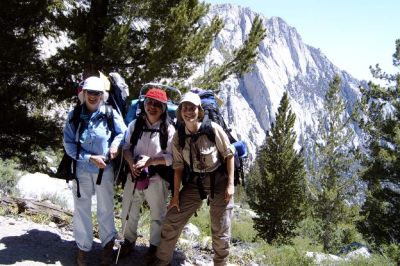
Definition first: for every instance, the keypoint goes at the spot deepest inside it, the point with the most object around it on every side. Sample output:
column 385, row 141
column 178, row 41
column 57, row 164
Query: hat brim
column 153, row 98
column 93, row 89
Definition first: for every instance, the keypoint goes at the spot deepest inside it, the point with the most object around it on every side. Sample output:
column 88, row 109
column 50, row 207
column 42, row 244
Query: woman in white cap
column 211, row 173
column 91, row 142
column 147, row 152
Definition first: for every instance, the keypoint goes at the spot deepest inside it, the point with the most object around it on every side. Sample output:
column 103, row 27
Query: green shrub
column 243, row 231
column 309, row 228
column 242, row 224
column 363, row 261
column 392, row 251
column 306, row 244
column 240, row 195
column 344, row 234
column 202, row 219
column 9, row 176
column 284, row 255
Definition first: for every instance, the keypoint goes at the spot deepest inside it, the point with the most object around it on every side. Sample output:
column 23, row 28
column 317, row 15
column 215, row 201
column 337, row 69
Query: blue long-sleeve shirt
column 95, row 139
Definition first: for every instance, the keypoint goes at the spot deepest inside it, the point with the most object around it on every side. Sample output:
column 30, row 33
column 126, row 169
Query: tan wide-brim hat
column 191, row 98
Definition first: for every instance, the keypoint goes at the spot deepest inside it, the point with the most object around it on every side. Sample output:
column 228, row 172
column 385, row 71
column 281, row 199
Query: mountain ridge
column 285, row 63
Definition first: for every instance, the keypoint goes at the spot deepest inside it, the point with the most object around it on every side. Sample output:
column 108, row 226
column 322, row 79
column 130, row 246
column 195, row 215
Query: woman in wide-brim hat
column 96, row 144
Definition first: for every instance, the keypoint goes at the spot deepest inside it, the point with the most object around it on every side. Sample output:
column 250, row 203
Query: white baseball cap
column 193, row 98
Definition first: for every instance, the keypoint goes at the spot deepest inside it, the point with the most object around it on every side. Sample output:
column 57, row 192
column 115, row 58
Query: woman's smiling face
column 153, row 108
column 92, row 99
column 190, row 112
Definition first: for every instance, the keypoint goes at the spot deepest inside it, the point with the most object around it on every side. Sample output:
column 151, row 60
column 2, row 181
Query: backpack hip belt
column 197, row 178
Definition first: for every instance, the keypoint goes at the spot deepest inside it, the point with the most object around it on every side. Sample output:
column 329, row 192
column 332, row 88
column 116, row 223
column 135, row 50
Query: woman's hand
column 113, row 152
column 136, row 168
column 98, row 160
column 142, row 162
column 230, row 189
column 174, row 203
column 135, row 172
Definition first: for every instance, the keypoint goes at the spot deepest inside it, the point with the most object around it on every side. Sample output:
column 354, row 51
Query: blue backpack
column 136, row 111
column 136, row 105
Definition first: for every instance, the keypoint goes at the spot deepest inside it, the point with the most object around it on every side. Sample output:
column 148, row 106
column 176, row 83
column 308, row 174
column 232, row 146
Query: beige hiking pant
column 189, row 202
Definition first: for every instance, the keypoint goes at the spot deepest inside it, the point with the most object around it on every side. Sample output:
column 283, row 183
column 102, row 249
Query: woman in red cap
column 144, row 153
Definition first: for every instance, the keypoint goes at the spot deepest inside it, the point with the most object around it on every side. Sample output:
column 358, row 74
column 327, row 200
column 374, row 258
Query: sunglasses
column 94, row 93
column 154, row 103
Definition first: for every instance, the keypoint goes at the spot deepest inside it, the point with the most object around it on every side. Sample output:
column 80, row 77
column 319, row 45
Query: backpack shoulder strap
column 76, row 116
column 206, row 129
column 181, row 135
column 110, row 119
column 140, row 124
column 76, row 120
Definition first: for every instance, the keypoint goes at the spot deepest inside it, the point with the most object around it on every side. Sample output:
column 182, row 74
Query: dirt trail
column 23, row 242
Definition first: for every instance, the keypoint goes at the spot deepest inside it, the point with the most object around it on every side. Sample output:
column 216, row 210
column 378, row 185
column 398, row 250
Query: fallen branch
column 33, row 207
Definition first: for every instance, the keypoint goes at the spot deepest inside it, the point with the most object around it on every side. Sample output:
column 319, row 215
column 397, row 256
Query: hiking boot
column 126, row 248
column 107, row 254
column 150, row 254
column 81, row 258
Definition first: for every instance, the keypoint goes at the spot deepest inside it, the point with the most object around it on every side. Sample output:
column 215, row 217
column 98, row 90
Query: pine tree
column 382, row 126
column 333, row 169
column 166, row 42
column 145, row 41
column 24, row 124
column 276, row 187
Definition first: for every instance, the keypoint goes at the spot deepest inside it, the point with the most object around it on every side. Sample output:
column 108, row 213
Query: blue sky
column 353, row 34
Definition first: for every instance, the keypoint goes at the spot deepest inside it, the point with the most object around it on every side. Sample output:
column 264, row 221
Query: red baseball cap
column 157, row 94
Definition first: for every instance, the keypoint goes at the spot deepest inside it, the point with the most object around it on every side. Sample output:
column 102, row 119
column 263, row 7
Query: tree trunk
column 96, row 31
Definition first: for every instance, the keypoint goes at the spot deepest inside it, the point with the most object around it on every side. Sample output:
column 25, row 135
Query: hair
column 165, row 122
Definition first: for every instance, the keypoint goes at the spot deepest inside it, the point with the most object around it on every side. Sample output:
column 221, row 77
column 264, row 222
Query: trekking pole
column 119, row 242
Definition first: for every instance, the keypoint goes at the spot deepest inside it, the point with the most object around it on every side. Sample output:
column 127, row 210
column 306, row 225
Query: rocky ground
column 23, row 242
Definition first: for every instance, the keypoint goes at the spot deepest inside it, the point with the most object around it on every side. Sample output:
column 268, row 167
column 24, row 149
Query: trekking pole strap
column 100, row 176
column 78, row 192
column 212, row 184
column 200, row 187
column 74, row 162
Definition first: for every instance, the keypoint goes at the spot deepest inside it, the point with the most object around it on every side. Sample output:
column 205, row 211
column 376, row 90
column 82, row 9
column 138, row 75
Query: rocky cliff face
column 284, row 63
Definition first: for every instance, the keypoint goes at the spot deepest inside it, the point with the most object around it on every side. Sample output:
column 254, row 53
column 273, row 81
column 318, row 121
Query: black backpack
column 118, row 93
column 212, row 113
